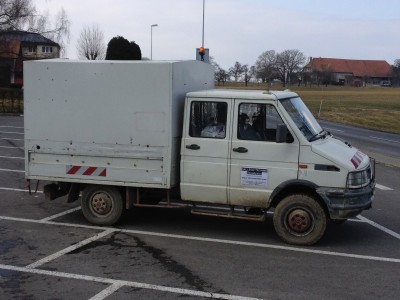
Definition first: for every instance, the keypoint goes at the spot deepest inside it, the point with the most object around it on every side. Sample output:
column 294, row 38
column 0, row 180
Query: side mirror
column 281, row 133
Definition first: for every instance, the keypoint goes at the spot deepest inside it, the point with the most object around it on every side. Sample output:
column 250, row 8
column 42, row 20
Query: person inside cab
column 214, row 129
column 246, row 131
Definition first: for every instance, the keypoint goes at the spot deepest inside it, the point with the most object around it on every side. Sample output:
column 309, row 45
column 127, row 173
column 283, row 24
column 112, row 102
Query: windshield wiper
column 318, row 136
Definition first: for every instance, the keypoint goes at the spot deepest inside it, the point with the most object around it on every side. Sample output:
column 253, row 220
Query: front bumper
column 347, row 203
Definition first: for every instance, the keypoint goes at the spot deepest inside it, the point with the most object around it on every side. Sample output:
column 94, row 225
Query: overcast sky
column 240, row 30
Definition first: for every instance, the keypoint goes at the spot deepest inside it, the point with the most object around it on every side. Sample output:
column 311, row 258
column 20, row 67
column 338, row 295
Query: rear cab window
column 208, row 119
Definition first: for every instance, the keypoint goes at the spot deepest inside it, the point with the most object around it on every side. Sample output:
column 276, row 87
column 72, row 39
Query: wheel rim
column 101, row 203
column 299, row 221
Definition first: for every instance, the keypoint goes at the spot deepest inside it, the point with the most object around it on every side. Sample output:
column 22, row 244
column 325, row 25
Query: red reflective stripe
column 355, row 164
column 89, row 171
column 358, row 157
column 73, row 170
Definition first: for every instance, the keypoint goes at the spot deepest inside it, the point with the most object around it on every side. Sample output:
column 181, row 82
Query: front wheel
column 102, row 205
column 300, row 220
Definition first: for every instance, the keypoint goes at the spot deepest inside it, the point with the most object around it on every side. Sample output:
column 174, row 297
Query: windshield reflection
column 302, row 117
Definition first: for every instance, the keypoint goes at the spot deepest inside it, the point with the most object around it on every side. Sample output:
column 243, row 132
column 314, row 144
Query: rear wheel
column 102, row 205
column 300, row 220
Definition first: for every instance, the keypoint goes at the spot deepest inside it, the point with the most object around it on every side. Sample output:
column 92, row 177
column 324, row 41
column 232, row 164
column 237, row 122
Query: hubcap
column 101, row 203
column 299, row 220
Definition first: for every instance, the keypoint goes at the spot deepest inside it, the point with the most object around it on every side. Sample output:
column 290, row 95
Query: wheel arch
column 296, row 187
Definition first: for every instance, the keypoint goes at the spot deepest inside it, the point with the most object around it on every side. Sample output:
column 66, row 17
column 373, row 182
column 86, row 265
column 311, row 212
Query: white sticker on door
column 254, row 176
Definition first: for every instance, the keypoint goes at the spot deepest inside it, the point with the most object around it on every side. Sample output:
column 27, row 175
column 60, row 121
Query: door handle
column 193, row 147
column 240, row 150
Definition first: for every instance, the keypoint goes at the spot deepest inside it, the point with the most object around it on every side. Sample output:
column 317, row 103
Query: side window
column 47, row 49
column 208, row 119
column 259, row 122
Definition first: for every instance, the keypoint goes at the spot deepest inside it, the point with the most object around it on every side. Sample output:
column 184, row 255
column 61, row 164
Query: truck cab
column 265, row 150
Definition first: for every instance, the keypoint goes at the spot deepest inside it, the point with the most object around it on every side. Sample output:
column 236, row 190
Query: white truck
column 119, row 134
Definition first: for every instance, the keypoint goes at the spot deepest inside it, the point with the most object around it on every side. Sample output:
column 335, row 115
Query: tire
column 300, row 220
column 102, row 205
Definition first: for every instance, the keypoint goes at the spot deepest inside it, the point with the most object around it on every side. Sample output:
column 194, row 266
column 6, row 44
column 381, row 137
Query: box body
column 107, row 122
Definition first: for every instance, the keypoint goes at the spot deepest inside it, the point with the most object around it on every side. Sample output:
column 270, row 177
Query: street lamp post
column 151, row 40
column 202, row 32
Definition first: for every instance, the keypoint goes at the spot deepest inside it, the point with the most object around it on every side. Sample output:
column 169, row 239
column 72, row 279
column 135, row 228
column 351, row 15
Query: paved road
column 376, row 143
column 48, row 250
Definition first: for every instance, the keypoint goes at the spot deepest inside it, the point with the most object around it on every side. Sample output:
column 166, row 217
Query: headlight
column 359, row 179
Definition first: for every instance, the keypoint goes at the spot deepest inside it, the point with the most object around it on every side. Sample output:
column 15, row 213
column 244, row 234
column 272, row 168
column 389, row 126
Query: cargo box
column 107, row 122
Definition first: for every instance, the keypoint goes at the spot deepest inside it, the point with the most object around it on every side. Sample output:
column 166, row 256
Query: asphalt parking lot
column 49, row 251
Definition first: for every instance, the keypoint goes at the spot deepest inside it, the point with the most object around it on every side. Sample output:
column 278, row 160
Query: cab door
column 257, row 163
column 205, row 150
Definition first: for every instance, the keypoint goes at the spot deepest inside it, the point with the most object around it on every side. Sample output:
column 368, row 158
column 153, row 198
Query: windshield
column 302, row 117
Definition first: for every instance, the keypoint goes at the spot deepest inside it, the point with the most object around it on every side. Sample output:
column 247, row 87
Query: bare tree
column 236, row 71
column 247, row 74
column 23, row 15
column 266, row 65
column 288, row 62
column 91, row 44
column 220, row 74
column 253, row 72
column 396, row 72
column 14, row 14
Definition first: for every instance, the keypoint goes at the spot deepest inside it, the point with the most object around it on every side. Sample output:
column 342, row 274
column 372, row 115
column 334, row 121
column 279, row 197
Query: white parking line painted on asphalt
column 212, row 240
column 9, row 147
column 383, row 188
column 269, row 246
column 12, row 157
column 61, row 214
column 16, row 127
column 380, row 227
column 9, row 170
column 11, row 132
column 70, row 248
column 17, row 190
column 11, row 139
column 107, row 291
column 133, row 284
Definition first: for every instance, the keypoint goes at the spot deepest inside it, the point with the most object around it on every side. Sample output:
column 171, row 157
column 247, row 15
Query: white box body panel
column 108, row 122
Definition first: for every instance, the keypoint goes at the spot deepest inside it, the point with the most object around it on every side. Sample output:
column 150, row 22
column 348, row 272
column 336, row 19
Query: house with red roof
column 18, row 46
column 349, row 71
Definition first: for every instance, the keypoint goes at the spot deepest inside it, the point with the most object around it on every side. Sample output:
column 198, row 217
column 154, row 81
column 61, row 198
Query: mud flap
column 73, row 194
